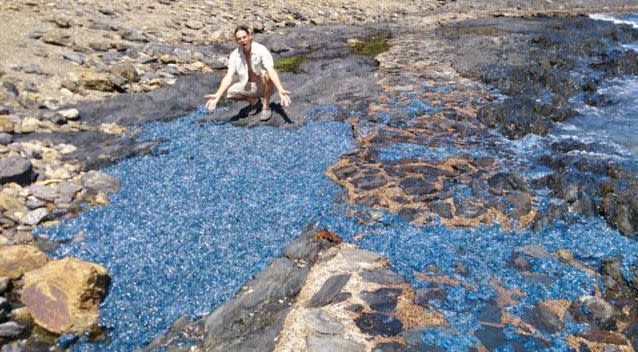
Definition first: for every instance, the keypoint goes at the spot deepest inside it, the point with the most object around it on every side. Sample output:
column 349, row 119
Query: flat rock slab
column 333, row 344
column 322, row 323
column 328, row 291
column 16, row 169
column 382, row 276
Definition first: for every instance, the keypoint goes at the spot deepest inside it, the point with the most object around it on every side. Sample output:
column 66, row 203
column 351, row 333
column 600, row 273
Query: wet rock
column 442, row 209
column 425, row 295
column 378, row 324
column 619, row 206
column 328, row 291
column 19, row 259
column 367, row 183
column 491, row 337
column 545, row 318
column 533, row 250
column 501, row 183
column 416, row 186
column 305, row 247
column 16, row 169
column 613, row 279
column 383, row 299
column 333, row 343
column 490, row 313
column 63, row 296
column 322, row 323
column 10, row 329
column 595, row 311
column 253, row 319
column 469, row 208
column 345, row 172
column 382, row 276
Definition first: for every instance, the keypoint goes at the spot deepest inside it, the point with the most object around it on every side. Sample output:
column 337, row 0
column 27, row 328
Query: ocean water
column 217, row 203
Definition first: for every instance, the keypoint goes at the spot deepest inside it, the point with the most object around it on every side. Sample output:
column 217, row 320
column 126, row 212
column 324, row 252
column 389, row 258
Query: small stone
column 106, row 10
column 382, row 276
column 4, row 284
column 378, row 324
column 19, row 259
column 469, row 208
column 596, row 310
column 194, row 24
column 70, row 114
column 533, row 250
column 16, row 169
column 34, row 217
column 57, row 38
column 332, row 344
column 125, row 70
column 100, row 45
column 383, row 299
column 425, row 295
column 10, row 329
column 97, row 181
column 322, row 323
column 328, row 291
column 369, row 182
column 63, row 22
column 354, row 308
column 134, row 35
column 5, row 138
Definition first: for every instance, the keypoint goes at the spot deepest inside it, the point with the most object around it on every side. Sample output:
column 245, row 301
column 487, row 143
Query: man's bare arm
column 213, row 99
column 284, row 95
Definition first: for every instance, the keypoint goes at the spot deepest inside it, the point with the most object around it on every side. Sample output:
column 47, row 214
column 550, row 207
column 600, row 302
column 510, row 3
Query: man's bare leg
column 268, row 86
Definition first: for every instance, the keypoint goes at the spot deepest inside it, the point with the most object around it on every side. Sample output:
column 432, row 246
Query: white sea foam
column 612, row 18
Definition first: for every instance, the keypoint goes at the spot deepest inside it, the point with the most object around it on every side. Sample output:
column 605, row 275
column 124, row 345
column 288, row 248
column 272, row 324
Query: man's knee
column 265, row 77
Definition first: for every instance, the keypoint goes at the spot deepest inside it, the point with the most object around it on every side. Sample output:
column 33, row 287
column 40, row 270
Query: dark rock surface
column 378, row 324
column 329, row 290
column 16, row 169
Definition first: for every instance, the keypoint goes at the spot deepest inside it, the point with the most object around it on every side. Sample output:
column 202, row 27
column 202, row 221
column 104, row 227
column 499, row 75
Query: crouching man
column 254, row 66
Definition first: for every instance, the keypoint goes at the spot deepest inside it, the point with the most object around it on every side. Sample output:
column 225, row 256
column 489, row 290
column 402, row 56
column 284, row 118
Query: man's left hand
column 284, row 97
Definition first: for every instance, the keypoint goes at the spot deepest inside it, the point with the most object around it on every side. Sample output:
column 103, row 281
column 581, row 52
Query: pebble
column 10, row 329
column 34, row 217
column 360, row 255
column 383, row 299
column 16, row 169
column 6, row 138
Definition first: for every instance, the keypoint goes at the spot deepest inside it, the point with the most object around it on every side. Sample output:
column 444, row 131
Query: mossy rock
column 290, row 64
column 372, row 46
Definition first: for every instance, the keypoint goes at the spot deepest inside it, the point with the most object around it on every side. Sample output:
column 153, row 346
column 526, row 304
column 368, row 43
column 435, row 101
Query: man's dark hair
column 241, row 28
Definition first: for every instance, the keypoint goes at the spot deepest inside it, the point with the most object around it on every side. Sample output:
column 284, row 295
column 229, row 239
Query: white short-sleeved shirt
column 260, row 58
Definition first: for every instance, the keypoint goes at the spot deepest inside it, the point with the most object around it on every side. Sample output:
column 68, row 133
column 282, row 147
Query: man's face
column 243, row 39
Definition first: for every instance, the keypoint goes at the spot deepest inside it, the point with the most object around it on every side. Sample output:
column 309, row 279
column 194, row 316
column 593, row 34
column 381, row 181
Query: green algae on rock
column 372, row 46
column 290, row 64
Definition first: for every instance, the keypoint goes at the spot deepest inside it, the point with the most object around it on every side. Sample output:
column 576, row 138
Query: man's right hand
column 213, row 99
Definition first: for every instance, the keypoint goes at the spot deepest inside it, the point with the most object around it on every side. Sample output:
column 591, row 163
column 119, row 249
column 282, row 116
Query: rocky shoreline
column 57, row 127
